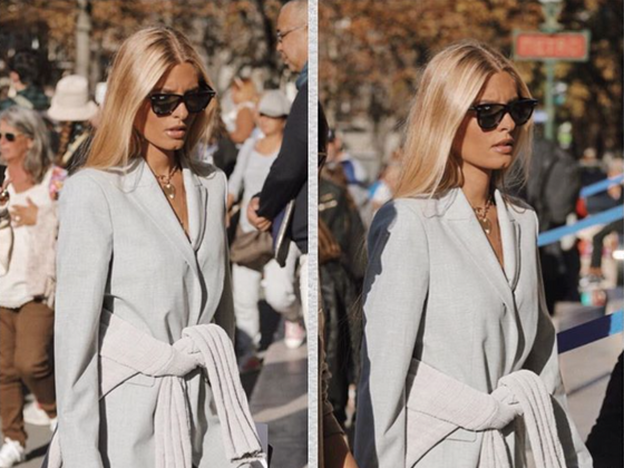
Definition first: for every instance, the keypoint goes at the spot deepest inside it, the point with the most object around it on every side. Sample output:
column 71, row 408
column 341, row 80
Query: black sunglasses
column 11, row 137
column 490, row 115
column 195, row 101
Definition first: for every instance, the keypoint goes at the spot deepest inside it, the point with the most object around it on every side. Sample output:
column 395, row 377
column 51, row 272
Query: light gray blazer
column 122, row 248
column 434, row 290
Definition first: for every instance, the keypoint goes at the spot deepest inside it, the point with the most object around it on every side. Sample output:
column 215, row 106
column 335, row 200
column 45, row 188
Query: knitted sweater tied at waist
column 126, row 351
column 442, row 404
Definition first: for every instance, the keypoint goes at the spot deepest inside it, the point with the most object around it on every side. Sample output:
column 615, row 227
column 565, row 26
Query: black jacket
column 288, row 177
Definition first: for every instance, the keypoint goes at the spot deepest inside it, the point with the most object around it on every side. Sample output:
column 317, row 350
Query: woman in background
column 252, row 167
column 73, row 110
column 240, row 122
column 28, row 229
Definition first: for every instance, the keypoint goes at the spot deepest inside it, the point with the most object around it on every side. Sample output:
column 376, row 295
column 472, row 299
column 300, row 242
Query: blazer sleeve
column 84, row 255
column 395, row 291
column 543, row 359
column 289, row 171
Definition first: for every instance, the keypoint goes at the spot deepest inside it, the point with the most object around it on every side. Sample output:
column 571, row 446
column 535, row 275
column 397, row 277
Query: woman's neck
column 476, row 185
column 20, row 178
column 274, row 137
column 268, row 144
column 160, row 162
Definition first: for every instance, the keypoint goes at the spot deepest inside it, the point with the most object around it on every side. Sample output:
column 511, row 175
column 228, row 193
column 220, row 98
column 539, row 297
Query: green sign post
column 551, row 45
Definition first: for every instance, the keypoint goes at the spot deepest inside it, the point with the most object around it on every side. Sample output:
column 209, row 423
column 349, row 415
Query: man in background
column 288, row 178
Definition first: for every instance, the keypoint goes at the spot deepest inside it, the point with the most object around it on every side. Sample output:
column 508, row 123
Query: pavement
column 280, row 399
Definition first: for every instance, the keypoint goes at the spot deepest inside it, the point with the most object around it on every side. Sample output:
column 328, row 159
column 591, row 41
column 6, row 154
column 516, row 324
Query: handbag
column 251, row 249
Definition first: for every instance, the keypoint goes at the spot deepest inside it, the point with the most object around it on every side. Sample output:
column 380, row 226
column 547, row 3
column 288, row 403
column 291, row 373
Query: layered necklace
column 165, row 183
column 481, row 212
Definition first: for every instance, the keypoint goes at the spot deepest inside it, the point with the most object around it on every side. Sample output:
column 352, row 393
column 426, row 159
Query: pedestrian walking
column 254, row 266
column 288, row 177
column 146, row 372
column 73, row 110
column 28, row 229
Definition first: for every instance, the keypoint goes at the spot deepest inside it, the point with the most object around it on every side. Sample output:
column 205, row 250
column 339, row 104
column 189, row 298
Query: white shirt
column 252, row 169
column 13, row 285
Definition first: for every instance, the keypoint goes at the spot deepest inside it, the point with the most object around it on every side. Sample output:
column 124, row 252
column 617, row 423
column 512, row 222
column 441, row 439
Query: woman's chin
column 170, row 145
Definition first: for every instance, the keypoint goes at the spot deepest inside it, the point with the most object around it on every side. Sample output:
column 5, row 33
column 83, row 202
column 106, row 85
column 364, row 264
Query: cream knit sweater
column 126, row 351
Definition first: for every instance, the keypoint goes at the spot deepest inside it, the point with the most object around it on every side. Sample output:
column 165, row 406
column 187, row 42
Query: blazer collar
column 140, row 183
column 454, row 208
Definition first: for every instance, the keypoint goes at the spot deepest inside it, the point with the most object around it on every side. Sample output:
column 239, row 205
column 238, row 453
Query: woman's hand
column 260, row 223
column 25, row 215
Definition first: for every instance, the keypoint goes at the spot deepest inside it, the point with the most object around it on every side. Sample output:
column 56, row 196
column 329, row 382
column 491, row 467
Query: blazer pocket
column 141, row 380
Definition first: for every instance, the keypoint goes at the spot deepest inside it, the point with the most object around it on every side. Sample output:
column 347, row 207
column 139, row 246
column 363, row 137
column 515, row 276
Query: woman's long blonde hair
column 449, row 86
column 141, row 62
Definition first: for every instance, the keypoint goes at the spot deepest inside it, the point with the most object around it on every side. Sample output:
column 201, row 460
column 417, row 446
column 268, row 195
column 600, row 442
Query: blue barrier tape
column 601, row 186
column 606, row 217
column 589, row 332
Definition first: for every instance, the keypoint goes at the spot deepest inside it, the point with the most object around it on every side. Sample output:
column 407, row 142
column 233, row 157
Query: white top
column 13, row 285
column 252, row 169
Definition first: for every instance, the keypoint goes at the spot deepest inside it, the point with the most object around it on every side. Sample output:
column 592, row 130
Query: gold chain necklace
column 481, row 213
column 166, row 185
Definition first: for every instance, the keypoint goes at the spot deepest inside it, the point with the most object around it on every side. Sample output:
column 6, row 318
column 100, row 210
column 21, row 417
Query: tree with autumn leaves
column 371, row 54
column 232, row 35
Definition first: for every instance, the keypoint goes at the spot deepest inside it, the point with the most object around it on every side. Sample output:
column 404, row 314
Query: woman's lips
column 176, row 133
column 504, row 147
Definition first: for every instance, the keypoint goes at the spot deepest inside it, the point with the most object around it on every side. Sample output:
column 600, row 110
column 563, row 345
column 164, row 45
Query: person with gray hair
column 28, row 228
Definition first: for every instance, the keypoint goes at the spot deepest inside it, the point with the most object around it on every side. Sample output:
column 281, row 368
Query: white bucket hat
column 71, row 100
column 274, row 103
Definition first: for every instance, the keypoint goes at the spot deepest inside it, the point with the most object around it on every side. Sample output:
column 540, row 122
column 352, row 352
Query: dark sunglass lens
column 489, row 116
column 164, row 104
column 9, row 136
column 197, row 102
column 521, row 111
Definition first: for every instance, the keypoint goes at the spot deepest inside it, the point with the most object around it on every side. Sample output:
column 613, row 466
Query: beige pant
column 26, row 337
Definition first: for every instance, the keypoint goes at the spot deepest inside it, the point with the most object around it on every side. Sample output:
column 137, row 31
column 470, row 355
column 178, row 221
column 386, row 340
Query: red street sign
column 566, row 46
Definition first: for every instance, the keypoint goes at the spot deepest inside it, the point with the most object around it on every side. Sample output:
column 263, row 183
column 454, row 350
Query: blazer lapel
column 151, row 198
column 510, row 238
column 468, row 232
column 197, row 199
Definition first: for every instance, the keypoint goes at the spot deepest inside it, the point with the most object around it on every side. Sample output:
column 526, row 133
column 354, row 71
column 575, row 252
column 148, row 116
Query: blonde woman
column 459, row 354
column 146, row 374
